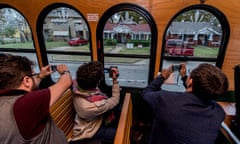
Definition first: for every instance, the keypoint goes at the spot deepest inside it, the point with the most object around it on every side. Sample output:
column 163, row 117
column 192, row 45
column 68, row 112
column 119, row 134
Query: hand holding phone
column 113, row 69
column 176, row 67
column 53, row 68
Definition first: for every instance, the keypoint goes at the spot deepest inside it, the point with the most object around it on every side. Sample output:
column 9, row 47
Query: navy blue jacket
column 181, row 117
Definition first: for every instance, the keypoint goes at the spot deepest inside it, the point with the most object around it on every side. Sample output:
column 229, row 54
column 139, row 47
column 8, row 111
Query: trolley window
column 127, row 32
column 195, row 35
column 66, row 37
column 16, row 35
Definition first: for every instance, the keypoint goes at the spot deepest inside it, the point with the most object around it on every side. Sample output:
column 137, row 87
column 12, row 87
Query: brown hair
column 209, row 81
column 12, row 70
column 89, row 75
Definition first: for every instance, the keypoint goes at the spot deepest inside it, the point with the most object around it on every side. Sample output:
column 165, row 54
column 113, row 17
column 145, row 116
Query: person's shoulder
column 37, row 93
column 40, row 91
column 219, row 107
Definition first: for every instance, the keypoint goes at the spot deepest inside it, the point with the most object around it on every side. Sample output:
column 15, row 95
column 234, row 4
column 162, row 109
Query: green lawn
column 202, row 51
column 144, row 50
column 28, row 45
column 49, row 45
column 55, row 44
column 199, row 51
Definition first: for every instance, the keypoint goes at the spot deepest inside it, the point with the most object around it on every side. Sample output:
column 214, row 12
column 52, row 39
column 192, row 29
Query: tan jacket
column 89, row 115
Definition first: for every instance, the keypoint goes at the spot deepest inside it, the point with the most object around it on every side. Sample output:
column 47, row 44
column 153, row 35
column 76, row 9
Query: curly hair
column 208, row 81
column 89, row 75
column 12, row 70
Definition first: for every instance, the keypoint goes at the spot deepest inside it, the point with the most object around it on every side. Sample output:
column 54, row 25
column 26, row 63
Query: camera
column 176, row 67
column 53, row 68
column 111, row 71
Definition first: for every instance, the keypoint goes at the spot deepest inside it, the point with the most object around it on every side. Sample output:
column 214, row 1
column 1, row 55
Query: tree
column 197, row 15
column 127, row 16
column 10, row 31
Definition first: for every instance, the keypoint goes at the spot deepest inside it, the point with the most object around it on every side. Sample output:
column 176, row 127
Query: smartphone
column 54, row 68
column 176, row 68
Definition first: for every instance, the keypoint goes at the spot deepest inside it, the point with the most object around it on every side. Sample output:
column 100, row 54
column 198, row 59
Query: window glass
column 66, row 37
column 64, row 29
column 15, row 35
column 194, row 33
column 127, row 44
column 193, row 37
column 14, row 30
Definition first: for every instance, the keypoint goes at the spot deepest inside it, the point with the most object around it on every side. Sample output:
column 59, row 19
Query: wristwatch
column 64, row 72
column 115, row 81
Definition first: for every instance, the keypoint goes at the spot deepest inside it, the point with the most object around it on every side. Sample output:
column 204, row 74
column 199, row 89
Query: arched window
column 65, row 33
column 126, row 37
column 16, row 35
column 195, row 35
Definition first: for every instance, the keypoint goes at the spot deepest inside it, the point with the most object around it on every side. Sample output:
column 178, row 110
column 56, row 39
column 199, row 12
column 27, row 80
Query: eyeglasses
column 31, row 75
column 34, row 74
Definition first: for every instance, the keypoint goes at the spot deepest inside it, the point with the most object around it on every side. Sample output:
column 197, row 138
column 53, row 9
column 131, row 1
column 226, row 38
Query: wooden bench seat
column 63, row 114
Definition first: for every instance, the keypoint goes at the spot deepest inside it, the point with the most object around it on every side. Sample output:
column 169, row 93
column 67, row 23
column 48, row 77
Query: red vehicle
column 77, row 42
column 177, row 47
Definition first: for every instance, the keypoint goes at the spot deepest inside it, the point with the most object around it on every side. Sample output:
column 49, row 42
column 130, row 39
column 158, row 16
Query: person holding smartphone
column 24, row 108
column 190, row 117
column 94, row 108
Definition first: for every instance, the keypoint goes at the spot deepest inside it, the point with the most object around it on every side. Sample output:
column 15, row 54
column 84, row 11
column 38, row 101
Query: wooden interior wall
column 161, row 10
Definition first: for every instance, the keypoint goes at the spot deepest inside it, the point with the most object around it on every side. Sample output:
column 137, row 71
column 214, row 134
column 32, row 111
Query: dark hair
column 208, row 81
column 89, row 75
column 12, row 70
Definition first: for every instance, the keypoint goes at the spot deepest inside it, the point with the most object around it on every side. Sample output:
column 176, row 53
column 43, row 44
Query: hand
column 166, row 72
column 183, row 70
column 45, row 71
column 62, row 68
column 115, row 73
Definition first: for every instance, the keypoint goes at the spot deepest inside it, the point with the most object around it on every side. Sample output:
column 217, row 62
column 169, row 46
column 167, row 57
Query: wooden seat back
column 63, row 114
column 125, row 122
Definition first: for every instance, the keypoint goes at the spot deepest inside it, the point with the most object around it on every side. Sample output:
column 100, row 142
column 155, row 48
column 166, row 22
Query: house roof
column 133, row 28
column 174, row 28
column 193, row 28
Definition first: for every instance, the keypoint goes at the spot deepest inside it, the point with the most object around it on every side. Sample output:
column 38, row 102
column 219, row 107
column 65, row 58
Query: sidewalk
column 116, row 49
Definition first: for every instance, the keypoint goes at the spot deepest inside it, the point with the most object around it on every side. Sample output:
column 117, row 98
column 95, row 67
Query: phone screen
column 54, row 68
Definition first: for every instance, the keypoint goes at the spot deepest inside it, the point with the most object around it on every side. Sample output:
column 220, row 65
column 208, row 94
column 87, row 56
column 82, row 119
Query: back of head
column 208, row 81
column 89, row 75
column 12, row 70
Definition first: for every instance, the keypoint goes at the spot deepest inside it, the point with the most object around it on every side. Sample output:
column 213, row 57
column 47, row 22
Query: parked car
column 77, row 42
column 176, row 47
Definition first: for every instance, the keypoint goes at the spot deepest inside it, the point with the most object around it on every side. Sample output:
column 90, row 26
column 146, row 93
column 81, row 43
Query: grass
column 55, row 44
column 71, row 58
column 65, row 47
column 199, row 51
column 121, row 60
column 108, row 48
column 202, row 51
column 26, row 45
column 144, row 50
column 49, row 45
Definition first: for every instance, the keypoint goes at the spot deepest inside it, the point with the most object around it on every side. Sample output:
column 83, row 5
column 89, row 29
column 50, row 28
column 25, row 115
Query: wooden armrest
column 125, row 122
